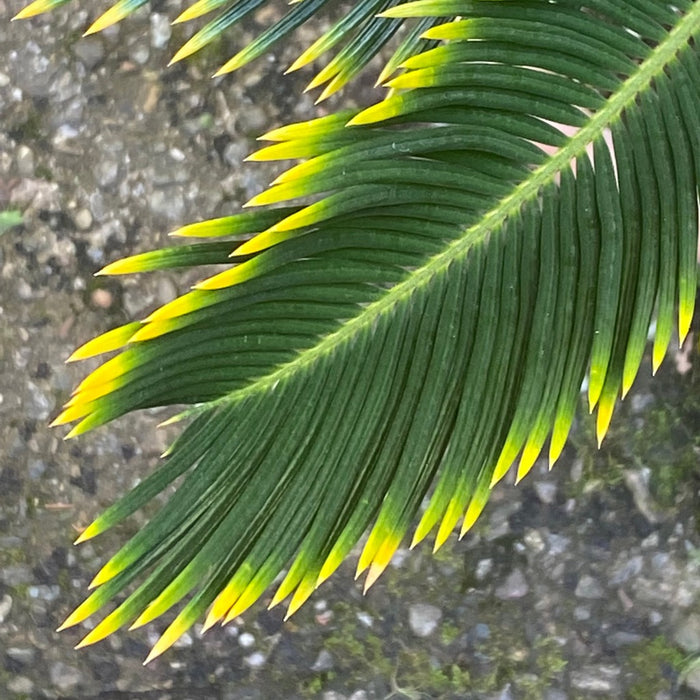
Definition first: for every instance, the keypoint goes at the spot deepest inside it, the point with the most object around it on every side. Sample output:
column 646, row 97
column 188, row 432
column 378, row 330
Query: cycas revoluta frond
column 475, row 247
column 362, row 31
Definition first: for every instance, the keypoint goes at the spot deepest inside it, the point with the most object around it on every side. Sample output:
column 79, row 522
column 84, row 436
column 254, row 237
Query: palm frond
column 363, row 31
column 512, row 218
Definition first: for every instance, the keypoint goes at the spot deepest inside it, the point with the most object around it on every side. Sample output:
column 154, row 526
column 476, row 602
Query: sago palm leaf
column 363, row 31
column 450, row 264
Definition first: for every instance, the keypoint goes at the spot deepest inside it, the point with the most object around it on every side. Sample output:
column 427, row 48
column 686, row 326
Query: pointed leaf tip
column 375, row 571
column 87, row 534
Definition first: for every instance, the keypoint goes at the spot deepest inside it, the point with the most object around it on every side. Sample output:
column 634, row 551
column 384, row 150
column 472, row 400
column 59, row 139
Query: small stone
column 47, row 593
column 589, row 588
column 167, row 203
column 365, row 619
column 691, row 679
column 655, row 618
column 64, row 677
column 160, row 30
column 423, row 619
column 234, row 153
column 333, row 695
column 20, row 685
column 515, row 586
column 5, row 607
column 558, row 544
column 401, row 556
column 534, row 541
column 626, row 570
column 16, row 575
column 97, row 206
column 582, row 613
column 83, row 219
column 324, row 662
column 323, row 618
column 106, row 172
column 167, row 291
column 25, row 161
column 39, row 405
column 639, row 403
column 184, row 642
column 687, row 636
column 637, row 481
column 546, row 491
column 255, row 660
column 102, row 298
column 620, row 639
column 651, row 542
column 251, row 120
column 139, row 53
column 600, row 679
column 479, row 633
column 359, row 695
column 22, row 655
column 89, row 50
column 246, row 640
column 483, row 569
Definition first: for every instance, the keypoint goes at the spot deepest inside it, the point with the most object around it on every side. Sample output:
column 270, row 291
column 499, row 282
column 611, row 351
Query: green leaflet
column 422, row 312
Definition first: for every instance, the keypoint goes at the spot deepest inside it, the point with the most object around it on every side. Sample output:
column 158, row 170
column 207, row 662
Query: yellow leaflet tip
column 522, row 472
column 375, row 571
column 182, row 52
column 192, row 12
column 167, row 639
column 472, row 514
column 96, row 635
column 298, row 63
column 449, row 520
column 59, row 420
column 107, row 572
column 417, row 538
column 140, row 621
column 527, row 460
column 234, row 64
column 151, row 656
column 115, row 14
column 118, row 267
column 88, row 533
column 605, row 411
column 300, row 596
column 441, row 538
column 210, row 621
column 31, row 10
column 333, row 561
column 626, row 386
column 238, row 608
column 70, row 621
column 76, row 430
column 504, row 464
column 361, row 566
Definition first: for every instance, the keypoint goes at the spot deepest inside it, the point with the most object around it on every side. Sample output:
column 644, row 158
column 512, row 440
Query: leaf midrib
column 527, row 190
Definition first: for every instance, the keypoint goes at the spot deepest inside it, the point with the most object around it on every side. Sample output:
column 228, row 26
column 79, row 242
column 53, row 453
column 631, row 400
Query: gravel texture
column 580, row 583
